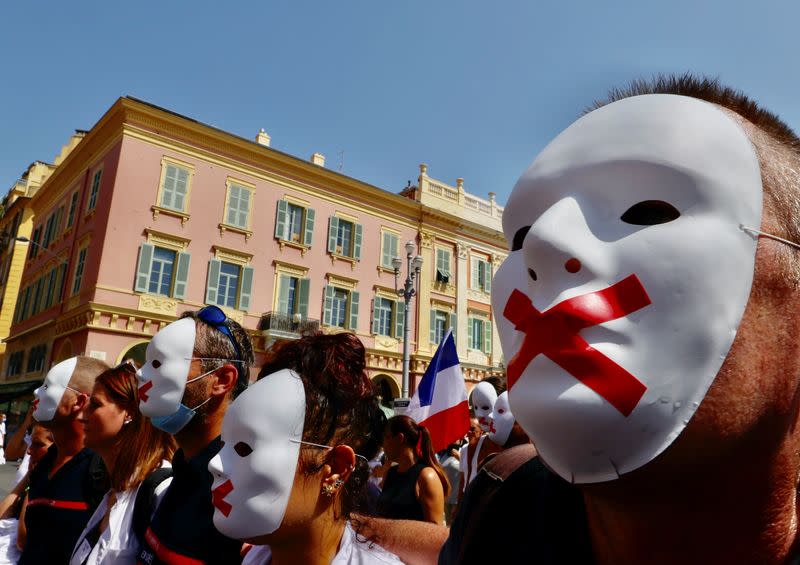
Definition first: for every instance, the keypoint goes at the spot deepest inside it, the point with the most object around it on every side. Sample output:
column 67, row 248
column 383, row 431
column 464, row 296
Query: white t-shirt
column 470, row 468
column 352, row 551
column 8, row 541
column 118, row 543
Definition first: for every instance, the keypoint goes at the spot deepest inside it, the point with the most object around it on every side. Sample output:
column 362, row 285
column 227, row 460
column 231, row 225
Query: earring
column 128, row 421
column 330, row 489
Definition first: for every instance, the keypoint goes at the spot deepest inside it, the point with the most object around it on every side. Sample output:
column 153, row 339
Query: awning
column 12, row 391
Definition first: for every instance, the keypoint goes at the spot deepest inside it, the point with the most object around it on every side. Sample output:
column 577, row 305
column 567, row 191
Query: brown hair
column 341, row 404
column 140, row 447
column 776, row 144
column 419, row 439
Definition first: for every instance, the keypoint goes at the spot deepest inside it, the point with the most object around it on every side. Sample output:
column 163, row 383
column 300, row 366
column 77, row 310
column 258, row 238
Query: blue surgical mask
column 175, row 422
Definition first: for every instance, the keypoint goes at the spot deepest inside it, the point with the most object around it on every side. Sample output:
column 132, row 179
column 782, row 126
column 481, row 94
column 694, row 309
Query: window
column 293, row 295
column 441, row 321
column 79, row 266
column 237, row 212
column 37, row 296
column 51, row 288
column 480, row 334
column 229, row 284
column 174, row 188
column 14, row 366
column 161, row 271
column 294, row 223
column 34, row 247
column 26, row 303
column 73, row 204
column 387, row 317
column 36, row 358
column 481, row 275
column 344, row 238
column 442, row 266
column 389, row 249
column 341, row 308
column 95, row 189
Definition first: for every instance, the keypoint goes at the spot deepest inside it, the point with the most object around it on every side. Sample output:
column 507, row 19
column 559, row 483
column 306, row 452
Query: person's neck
column 316, row 544
column 406, row 460
column 201, row 431
column 68, row 437
column 740, row 510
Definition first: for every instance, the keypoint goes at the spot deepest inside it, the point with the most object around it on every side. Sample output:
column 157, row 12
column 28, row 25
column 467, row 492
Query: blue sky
column 474, row 89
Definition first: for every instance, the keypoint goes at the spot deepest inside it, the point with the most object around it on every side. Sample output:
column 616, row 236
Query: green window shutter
column 246, row 288
column 309, row 227
column 302, row 296
column 283, row 294
column 333, row 228
column 213, row 281
column 143, row 269
column 181, row 275
column 386, row 252
column 181, row 182
column 244, row 208
column 280, row 220
column 453, row 324
column 432, row 335
column 487, row 284
column 475, row 275
column 375, row 319
column 326, row 314
column 353, row 310
column 470, row 321
column 357, row 244
column 487, row 337
column 399, row 319
column 168, row 190
column 62, row 273
column 233, row 205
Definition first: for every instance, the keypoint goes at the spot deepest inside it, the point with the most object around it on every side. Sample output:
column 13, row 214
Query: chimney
column 262, row 138
column 318, row 159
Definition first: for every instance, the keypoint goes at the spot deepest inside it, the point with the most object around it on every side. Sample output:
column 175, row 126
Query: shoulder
column 428, row 479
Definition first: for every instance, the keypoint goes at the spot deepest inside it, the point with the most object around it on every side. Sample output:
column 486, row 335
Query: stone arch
column 387, row 388
column 65, row 351
column 134, row 350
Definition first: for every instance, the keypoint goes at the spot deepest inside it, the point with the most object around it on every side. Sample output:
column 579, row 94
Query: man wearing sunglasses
column 194, row 368
column 70, row 480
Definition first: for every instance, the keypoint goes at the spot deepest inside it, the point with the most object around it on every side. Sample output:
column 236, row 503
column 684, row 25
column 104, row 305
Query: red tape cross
column 554, row 334
column 65, row 504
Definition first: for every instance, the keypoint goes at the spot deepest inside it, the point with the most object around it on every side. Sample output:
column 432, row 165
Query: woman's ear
column 341, row 463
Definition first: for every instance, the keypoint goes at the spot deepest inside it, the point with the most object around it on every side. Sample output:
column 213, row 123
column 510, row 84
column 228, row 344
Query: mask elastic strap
column 214, row 359
column 75, row 390
column 319, row 445
column 202, row 403
column 768, row 235
column 197, row 378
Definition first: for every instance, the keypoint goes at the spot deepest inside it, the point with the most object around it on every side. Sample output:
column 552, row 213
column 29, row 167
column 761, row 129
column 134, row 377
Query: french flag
column 440, row 402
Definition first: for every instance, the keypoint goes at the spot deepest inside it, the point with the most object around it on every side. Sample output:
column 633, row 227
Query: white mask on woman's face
column 163, row 377
column 49, row 395
column 627, row 280
column 255, row 469
column 501, row 420
column 483, row 398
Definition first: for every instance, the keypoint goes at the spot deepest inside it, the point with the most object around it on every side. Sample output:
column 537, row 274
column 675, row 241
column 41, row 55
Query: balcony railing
column 290, row 325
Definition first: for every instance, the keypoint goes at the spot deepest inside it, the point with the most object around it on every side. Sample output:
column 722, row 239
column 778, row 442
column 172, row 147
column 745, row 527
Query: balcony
column 276, row 325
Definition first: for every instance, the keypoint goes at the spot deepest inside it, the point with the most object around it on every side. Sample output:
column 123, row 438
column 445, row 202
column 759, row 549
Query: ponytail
column 419, row 439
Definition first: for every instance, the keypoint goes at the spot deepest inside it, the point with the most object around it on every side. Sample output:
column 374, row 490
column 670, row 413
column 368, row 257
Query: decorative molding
column 386, row 292
column 353, row 262
column 447, row 289
column 462, row 250
column 386, row 343
column 169, row 241
column 442, row 305
column 289, row 269
column 232, row 255
column 226, row 227
column 301, row 246
column 158, row 304
column 426, row 240
column 342, row 282
column 184, row 217
column 497, row 260
column 479, row 296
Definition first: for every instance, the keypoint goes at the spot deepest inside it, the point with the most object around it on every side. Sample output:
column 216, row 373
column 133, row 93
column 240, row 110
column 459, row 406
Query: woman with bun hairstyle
column 415, row 488
column 293, row 468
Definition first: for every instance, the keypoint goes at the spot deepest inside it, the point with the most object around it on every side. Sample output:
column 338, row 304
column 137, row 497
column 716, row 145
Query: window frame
column 167, row 162
column 230, row 182
column 94, row 190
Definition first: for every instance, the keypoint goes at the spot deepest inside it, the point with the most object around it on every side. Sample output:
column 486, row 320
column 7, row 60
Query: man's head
column 628, row 226
column 194, row 365
column 65, row 390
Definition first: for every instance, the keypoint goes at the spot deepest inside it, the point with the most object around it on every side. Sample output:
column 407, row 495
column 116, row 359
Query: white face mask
column 483, row 398
column 254, row 471
column 163, row 377
column 49, row 395
column 636, row 208
column 501, row 420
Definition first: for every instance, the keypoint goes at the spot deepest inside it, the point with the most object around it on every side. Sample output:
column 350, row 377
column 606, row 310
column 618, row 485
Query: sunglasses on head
column 216, row 318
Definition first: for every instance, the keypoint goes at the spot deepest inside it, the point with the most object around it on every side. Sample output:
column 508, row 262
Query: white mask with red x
column 627, row 280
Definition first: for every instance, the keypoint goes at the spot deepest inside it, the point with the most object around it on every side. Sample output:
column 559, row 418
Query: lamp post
column 407, row 292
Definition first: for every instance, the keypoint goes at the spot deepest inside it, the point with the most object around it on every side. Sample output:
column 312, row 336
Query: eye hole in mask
column 650, row 213
column 156, row 364
column 519, row 237
column 242, row 449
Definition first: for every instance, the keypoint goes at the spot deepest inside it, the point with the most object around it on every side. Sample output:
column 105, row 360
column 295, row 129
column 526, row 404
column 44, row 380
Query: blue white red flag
column 440, row 402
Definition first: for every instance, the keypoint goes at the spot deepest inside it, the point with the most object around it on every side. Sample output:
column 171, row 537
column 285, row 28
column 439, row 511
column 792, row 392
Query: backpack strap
column 500, row 466
column 145, row 504
column 98, row 481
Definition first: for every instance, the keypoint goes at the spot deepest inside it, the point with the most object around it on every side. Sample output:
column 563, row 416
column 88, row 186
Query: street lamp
column 413, row 267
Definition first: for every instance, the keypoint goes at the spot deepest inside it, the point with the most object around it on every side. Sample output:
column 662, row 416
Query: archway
column 64, row 351
column 387, row 389
column 135, row 351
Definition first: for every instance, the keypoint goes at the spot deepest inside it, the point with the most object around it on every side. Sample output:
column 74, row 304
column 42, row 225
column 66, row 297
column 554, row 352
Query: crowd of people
column 649, row 412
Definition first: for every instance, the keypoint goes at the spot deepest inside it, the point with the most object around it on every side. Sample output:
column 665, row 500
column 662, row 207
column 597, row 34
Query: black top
column 538, row 518
column 398, row 499
column 182, row 529
column 59, row 507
